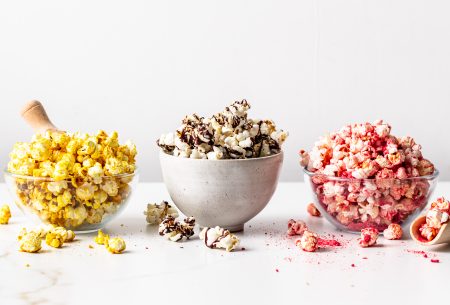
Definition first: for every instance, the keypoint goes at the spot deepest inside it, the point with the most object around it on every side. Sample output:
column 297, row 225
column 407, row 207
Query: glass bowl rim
column 50, row 179
column 342, row 179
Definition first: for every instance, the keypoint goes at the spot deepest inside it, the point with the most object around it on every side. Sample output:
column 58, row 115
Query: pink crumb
column 353, row 265
column 434, row 260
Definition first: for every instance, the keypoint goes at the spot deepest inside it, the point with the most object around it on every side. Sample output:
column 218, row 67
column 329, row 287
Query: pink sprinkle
column 353, row 265
column 434, row 260
column 277, row 270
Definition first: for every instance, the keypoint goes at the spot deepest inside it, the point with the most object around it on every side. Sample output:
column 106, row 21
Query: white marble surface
column 154, row 269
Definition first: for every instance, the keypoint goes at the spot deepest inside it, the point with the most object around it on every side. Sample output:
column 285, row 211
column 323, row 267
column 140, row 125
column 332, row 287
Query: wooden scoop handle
column 36, row 116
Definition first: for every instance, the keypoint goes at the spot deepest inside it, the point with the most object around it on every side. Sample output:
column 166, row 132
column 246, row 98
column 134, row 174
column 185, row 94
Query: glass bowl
column 81, row 205
column 353, row 204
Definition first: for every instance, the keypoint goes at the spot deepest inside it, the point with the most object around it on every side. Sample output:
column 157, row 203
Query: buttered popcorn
column 115, row 245
column 229, row 134
column 5, row 214
column 155, row 213
column 368, row 151
column 219, row 238
column 175, row 230
column 85, row 177
column 30, row 242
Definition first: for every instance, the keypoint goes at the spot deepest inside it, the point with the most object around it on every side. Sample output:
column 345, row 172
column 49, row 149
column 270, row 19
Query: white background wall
column 139, row 66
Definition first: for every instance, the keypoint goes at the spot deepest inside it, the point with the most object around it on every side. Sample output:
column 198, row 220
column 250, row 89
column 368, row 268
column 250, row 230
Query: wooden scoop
column 36, row 116
column 442, row 237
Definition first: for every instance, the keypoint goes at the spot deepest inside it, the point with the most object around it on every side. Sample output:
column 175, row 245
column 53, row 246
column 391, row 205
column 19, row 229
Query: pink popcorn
column 436, row 218
column 308, row 242
column 441, row 204
column 376, row 166
column 394, row 231
column 312, row 210
column 427, row 232
column 369, row 237
column 296, row 227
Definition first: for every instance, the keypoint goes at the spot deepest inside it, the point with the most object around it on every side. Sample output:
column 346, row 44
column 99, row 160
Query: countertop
column 271, row 270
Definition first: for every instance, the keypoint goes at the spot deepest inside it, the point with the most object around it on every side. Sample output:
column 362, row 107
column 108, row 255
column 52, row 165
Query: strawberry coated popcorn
column 369, row 237
column 296, row 227
column 394, row 231
column 308, row 242
column 72, row 180
column 363, row 176
column 437, row 215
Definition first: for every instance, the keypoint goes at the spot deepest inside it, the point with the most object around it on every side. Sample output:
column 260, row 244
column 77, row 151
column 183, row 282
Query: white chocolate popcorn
column 226, row 135
column 219, row 238
column 155, row 213
column 175, row 230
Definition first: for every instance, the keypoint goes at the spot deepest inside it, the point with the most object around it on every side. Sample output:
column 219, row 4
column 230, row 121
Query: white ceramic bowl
column 225, row 193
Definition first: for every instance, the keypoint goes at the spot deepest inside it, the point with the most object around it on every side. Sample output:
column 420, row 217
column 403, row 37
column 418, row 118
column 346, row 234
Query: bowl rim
column 50, row 179
column 280, row 154
column 342, row 179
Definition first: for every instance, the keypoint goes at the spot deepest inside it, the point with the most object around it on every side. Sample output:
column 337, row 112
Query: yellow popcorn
column 87, row 176
column 5, row 214
column 67, row 235
column 102, row 238
column 115, row 245
column 54, row 239
column 30, row 242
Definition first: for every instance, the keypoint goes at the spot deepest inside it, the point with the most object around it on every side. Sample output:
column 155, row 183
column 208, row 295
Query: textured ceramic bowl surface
column 225, row 193
column 353, row 204
column 41, row 199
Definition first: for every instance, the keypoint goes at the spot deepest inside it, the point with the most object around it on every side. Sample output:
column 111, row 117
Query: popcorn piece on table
column 115, row 245
column 157, row 212
column 5, row 214
column 219, row 238
column 229, row 134
column 83, row 167
column 101, row 238
column 369, row 237
column 394, row 231
column 30, row 242
column 296, row 227
column 308, row 242
column 54, row 239
column 312, row 210
column 175, row 230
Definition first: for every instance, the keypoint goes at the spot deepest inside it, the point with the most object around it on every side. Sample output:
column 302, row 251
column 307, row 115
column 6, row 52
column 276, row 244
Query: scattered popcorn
column 157, row 212
column 54, row 239
column 115, row 245
column 30, row 242
column 296, row 227
column 5, row 214
column 393, row 231
column 369, row 237
column 312, row 210
column 88, row 176
column 219, row 238
column 382, row 162
column 101, row 238
column 176, row 231
column 308, row 242
column 226, row 135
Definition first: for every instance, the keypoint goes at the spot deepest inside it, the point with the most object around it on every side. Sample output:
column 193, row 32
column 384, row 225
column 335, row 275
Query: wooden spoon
column 442, row 237
column 36, row 116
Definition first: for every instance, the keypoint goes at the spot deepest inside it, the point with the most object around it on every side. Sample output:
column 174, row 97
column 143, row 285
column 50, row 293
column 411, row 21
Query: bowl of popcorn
column 363, row 176
column 222, row 170
column 73, row 180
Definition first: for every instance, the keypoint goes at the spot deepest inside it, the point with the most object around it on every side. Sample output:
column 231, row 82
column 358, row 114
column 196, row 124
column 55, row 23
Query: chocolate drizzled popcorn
column 175, row 230
column 157, row 212
column 219, row 238
column 229, row 134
